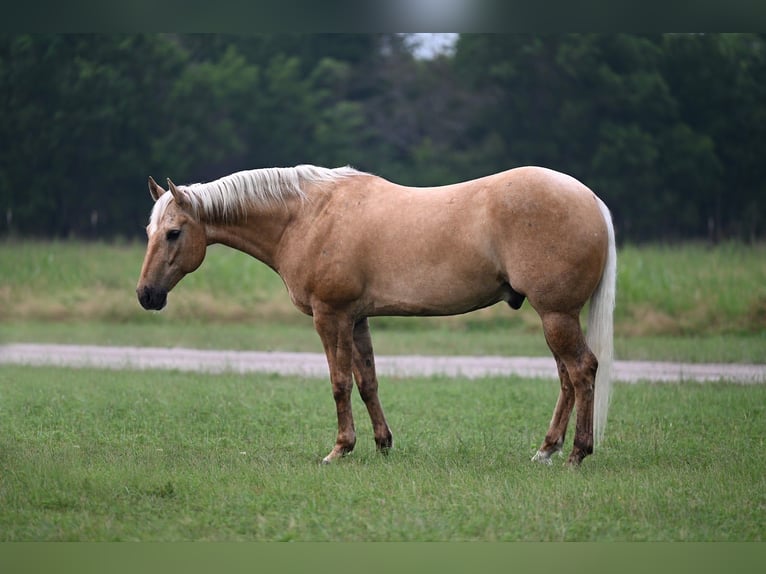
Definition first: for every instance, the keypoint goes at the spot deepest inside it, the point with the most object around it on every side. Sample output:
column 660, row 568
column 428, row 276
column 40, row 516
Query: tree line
column 668, row 128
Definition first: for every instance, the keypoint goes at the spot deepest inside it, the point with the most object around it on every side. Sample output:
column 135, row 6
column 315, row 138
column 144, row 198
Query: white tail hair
column 600, row 333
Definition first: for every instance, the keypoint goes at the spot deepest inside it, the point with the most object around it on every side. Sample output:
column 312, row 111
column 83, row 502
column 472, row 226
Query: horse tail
column 600, row 333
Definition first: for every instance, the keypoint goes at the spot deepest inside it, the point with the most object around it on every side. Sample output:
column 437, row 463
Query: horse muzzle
column 152, row 299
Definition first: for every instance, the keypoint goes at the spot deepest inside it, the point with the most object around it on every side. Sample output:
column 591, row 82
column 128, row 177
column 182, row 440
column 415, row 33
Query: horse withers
column 350, row 245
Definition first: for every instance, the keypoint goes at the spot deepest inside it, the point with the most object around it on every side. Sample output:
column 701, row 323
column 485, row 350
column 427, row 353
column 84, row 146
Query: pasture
column 104, row 455
column 689, row 303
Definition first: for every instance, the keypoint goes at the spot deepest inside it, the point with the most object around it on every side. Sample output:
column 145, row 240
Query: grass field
column 102, row 455
column 688, row 303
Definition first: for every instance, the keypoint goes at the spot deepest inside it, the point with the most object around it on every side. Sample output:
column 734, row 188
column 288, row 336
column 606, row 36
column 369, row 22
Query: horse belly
column 429, row 291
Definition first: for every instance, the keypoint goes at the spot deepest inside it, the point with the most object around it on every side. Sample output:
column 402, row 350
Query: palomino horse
column 349, row 245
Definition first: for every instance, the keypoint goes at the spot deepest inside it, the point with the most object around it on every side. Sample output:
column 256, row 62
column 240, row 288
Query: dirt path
column 314, row 365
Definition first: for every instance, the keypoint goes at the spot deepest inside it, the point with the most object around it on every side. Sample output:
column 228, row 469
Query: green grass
column 107, row 455
column 692, row 289
column 683, row 303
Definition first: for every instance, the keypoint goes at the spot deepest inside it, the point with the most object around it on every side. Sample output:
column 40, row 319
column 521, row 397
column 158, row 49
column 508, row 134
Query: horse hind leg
column 367, row 382
column 554, row 439
column 577, row 368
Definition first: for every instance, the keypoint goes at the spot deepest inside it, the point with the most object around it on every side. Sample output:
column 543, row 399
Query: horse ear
column 179, row 195
column 154, row 189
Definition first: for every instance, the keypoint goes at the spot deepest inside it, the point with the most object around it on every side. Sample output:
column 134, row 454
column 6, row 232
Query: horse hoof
column 385, row 444
column 573, row 461
column 336, row 453
column 542, row 457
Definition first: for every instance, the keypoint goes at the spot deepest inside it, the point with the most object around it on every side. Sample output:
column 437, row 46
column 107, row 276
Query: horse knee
column 368, row 390
column 341, row 397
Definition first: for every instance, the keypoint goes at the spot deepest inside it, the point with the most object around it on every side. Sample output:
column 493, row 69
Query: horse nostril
column 152, row 299
column 143, row 297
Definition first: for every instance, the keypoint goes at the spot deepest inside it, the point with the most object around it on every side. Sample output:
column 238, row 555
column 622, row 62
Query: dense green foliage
column 669, row 129
column 95, row 455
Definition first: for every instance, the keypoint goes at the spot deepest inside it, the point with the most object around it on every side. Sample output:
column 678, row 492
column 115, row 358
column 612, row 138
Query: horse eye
column 173, row 234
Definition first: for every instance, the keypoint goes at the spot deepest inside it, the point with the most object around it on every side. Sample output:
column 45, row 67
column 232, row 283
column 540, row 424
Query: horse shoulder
column 319, row 259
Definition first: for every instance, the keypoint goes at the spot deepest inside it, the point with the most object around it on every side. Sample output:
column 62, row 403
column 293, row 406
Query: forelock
column 158, row 212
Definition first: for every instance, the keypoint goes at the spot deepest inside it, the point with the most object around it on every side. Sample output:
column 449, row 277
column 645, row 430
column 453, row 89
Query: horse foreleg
column 367, row 382
column 337, row 339
column 565, row 338
column 554, row 439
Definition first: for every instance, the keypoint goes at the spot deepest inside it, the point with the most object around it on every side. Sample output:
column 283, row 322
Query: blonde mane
column 227, row 199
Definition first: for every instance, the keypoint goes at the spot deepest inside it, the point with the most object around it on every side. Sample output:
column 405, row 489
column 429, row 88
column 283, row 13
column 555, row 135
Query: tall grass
column 692, row 289
column 96, row 281
column 103, row 455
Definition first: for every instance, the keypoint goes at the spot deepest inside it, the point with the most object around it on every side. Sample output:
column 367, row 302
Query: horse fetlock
column 549, row 447
column 583, row 443
column 579, row 452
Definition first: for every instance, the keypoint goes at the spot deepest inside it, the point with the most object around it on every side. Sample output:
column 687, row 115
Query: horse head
column 176, row 245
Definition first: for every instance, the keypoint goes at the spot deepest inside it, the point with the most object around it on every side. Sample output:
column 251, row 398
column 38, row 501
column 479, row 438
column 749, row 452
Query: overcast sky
column 430, row 44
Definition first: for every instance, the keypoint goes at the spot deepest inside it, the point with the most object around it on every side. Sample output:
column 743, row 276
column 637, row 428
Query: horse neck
column 258, row 234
